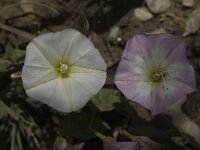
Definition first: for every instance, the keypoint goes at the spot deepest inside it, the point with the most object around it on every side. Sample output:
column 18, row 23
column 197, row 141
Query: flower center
column 157, row 75
column 63, row 68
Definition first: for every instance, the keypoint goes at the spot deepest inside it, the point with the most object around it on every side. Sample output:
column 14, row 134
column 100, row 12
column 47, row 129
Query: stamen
column 63, row 68
column 157, row 75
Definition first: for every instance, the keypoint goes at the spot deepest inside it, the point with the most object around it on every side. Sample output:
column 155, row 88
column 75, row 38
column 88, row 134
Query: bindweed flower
column 63, row 70
column 154, row 71
column 111, row 144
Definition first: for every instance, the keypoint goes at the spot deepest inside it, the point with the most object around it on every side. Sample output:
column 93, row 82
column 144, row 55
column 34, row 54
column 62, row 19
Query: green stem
column 129, row 135
column 99, row 135
column 96, row 133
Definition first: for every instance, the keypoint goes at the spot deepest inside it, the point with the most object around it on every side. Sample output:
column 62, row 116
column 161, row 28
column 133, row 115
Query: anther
column 63, row 68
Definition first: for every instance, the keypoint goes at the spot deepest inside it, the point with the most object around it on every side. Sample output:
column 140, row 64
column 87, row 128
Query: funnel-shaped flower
column 63, row 70
column 111, row 144
column 154, row 71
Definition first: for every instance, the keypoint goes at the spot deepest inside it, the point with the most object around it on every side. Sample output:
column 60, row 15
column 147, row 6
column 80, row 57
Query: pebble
column 159, row 31
column 188, row 3
column 142, row 14
column 158, row 6
column 114, row 33
column 193, row 22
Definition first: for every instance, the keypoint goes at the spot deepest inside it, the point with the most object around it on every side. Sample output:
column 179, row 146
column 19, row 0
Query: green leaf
column 81, row 24
column 106, row 99
column 3, row 112
column 12, row 134
column 80, row 125
column 14, row 54
column 4, row 65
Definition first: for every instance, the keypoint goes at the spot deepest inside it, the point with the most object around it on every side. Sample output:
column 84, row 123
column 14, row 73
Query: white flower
column 63, row 70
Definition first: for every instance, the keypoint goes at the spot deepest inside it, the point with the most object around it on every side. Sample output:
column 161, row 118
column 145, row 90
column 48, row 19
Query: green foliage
column 81, row 24
column 14, row 55
column 11, row 57
column 80, row 125
column 106, row 99
column 4, row 65
column 3, row 112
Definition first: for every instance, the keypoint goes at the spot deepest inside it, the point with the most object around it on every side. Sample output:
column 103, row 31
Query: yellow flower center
column 62, row 70
column 157, row 75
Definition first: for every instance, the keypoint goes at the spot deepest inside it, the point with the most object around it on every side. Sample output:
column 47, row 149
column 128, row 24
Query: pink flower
column 111, row 144
column 154, row 71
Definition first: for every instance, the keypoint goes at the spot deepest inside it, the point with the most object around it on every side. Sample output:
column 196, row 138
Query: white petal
column 34, row 76
column 61, row 98
column 85, row 85
column 56, row 44
column 91, row 60
column 55, row 93
column 43, row 92
column 79, row 46
column 34, row 57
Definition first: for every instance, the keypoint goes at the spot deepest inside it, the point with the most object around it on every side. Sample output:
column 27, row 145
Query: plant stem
column 99, row 135
column 129, row 135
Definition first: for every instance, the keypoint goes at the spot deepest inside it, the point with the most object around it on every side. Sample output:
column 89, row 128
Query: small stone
column 188, row 3
column 159, row 31
column 158, row 6
column 142, row 14
column 193, row 22
column 114, row 33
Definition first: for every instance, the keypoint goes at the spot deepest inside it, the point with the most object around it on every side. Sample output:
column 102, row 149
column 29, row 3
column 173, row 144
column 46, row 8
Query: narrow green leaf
column 81, row 24
column 13, row 133
column 19, row 141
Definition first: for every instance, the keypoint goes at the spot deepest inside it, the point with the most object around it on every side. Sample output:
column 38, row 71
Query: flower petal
column 43, row 92
column 111, row 144
column 92, row 60
column 131, row 70
column 178, row 71
column 34, row 76
column 85, row 84
column 61, row 98
column 167, row 94
column 55, row 45
column 34, row 57
column 138, row 91
column 155, row 47
column 79, row 47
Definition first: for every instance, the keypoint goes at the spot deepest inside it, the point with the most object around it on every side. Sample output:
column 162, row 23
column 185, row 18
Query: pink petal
column 167, row 94
column 144, row 51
